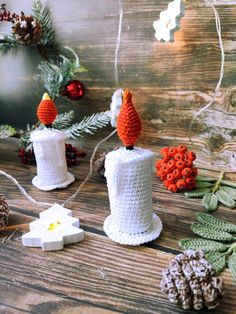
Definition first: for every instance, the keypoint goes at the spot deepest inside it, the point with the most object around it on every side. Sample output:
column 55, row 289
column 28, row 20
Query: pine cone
column 4, row 211
column 99, row 164
column 27, row 30
column 191, row 282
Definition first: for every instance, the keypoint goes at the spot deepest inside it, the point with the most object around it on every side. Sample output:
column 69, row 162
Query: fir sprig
column 43, row 15
column 56, row 74
column 6, row 131
column 7, row 42
column 219, row 254
column 64, row 122
column 88, row 125
column 214, row 191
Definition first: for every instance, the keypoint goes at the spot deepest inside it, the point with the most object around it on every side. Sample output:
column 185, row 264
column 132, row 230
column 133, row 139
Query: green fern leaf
column 197, row 193
column 228, row 183
column 202, row 244
column 205, row 179
column 217, row 260
column 225, row 199
column 232, row 265
column 211, row 233
column 230, row 191
column 210, row 201
column 215, row 223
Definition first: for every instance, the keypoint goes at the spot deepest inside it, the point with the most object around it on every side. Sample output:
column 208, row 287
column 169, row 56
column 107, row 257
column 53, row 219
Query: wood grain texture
column 96, row 275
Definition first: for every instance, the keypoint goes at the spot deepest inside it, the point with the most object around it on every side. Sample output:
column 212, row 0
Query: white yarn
column 129, row 181
column 217, row 89
column 116, row 77
column 49, row 149
column 23, row 191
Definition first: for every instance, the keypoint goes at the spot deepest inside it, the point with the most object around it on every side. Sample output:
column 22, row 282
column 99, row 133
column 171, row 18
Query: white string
column 91, row 168
column 118, row 44
column 23, row 191
column 218, row 29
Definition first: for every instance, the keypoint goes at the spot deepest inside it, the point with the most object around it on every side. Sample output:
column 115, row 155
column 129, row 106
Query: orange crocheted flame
column 129, row 125
column 47, row 111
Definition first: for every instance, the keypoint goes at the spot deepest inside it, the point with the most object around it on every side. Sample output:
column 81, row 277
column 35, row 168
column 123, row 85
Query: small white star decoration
column 55, row 228
column 115, row 106
column 169, row 21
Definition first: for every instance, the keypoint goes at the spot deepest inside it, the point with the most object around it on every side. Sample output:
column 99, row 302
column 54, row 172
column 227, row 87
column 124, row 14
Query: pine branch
column 55, row 75
column 7, row 42
column 43, row 15
column 6, row 131
column 64, row 120
column 88, row 125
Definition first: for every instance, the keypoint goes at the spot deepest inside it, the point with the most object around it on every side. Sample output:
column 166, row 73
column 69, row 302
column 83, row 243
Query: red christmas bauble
column 74, row 90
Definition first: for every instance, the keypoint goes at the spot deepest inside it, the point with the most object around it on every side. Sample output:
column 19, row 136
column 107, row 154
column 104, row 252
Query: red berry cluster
column 7, row 15
column 27, row 155
column 176, row 168
column 72, row 153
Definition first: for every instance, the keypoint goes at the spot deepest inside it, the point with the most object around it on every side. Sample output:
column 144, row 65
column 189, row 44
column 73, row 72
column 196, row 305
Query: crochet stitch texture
column 129, row 125
column 49, row 148
column 129, row 180
column 47, row 111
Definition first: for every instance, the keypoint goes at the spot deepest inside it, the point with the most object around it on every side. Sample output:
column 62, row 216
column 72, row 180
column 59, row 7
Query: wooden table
column 96, row 275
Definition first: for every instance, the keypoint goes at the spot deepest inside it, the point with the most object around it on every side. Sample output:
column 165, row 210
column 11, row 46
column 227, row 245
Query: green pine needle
column 88, row 125
column 64, row 120
column 43, row 15
column 7, row 43
column 56, row 74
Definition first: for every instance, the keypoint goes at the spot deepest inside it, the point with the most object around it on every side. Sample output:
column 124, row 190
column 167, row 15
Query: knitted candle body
column 129, row 180
column 49, row 149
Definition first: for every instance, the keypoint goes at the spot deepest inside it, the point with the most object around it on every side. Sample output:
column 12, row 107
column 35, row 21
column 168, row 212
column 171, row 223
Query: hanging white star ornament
column 169, row 21
column 55, row 228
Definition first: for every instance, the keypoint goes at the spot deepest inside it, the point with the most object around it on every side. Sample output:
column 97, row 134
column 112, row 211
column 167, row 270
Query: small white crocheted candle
column 128, row 171
column 49, row 149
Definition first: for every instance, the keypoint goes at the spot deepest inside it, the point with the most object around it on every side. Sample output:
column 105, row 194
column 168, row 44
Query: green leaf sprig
column 214, row 191
column 217, row 241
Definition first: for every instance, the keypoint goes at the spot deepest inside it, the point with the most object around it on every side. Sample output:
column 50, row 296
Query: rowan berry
column 191, row 156
column 165, row 169
column 159, row 164
column 166, row 183
column 177, row 174
column 194, row 171
column 190, row 180
column 186, row 172
column 180, row 164
column 188, row 163
column 164, row 150
column 179, row 156
column 172, row 151
column 170, row 178
column 181, row 184
column 172, row 188
column 171, row 164
column 181, row 148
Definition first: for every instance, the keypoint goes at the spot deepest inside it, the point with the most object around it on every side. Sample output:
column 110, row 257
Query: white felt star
column 53, row 230
column 169, row 21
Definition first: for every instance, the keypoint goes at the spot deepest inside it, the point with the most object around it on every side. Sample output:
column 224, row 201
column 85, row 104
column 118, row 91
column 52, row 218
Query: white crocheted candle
column 49, row 149
column 129, row 181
